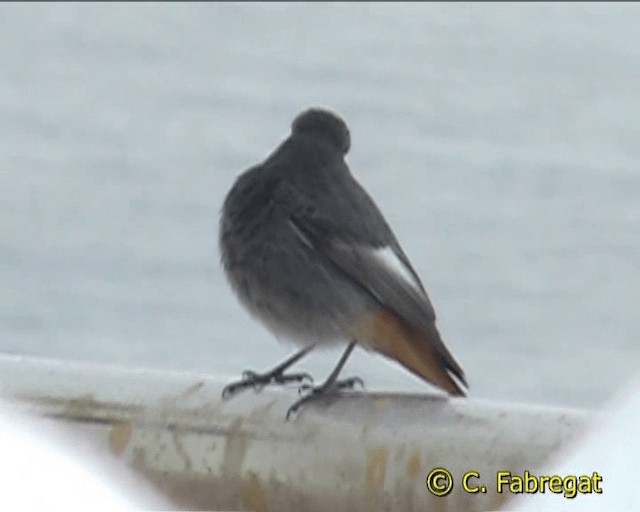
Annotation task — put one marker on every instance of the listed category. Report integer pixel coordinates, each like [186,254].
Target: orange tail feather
[417,351]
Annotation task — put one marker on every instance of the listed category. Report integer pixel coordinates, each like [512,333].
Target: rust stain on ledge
[235,450]
[194,388]
[376,469]
[119,436]
[254,496]
[413,465]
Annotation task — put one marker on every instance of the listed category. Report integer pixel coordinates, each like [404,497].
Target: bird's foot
[257,381]
[330,387]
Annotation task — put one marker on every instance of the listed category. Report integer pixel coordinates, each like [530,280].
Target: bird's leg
[251,379]
[331,385]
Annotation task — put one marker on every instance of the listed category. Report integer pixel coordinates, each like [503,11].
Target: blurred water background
[500,140]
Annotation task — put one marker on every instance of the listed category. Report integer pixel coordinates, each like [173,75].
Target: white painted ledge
[358,452]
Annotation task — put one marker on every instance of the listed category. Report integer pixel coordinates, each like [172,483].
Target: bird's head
[325,125]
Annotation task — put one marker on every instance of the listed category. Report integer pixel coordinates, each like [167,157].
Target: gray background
[501,141]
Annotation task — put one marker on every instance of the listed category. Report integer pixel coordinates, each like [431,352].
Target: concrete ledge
[357,452]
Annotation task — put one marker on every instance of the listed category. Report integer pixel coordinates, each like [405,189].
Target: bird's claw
[313,392]
[258,381]
[350,383]
[305,378]
[249,375]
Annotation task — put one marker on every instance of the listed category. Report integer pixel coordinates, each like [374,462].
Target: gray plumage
[301,244]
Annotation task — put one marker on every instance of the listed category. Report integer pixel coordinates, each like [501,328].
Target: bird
[308,253]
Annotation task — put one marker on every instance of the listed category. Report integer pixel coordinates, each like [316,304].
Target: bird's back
[276,272]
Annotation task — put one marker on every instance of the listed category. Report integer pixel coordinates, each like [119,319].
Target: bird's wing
[355,238]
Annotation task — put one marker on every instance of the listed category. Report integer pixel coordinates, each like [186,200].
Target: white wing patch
[300,234]
[395,264]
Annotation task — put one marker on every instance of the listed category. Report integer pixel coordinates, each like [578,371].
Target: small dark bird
[308,252]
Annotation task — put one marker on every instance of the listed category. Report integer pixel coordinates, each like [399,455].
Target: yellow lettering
[515,486]
[597,480]
[502,480]
[570,484]
[530,479]
[555,484]
[543,481]
[473,489]
[584,484]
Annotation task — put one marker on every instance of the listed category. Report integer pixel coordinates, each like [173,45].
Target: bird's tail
[422,353]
